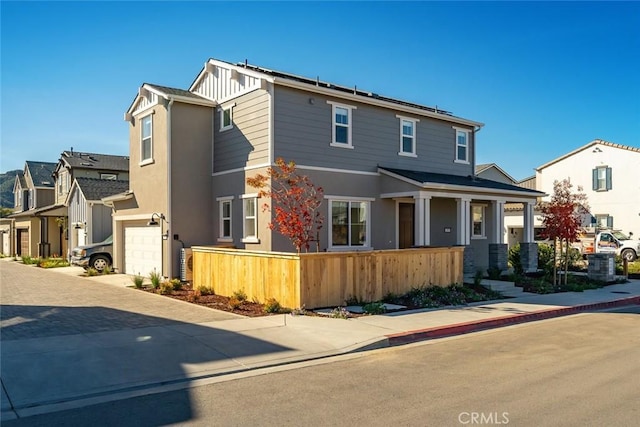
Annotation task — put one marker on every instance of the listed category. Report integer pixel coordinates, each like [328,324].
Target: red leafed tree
[562,220]
[295,202]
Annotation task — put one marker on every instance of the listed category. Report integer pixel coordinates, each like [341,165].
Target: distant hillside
[7,180]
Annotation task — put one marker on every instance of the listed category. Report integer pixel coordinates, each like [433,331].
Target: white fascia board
[179,98]
[228,66]
[118,197]
[372,101]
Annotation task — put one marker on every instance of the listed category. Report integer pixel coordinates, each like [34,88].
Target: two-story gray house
[395,174]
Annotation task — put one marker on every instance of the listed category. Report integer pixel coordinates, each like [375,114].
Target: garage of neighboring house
[142,250]
[23,241]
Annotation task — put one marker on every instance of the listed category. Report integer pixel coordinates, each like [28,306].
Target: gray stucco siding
[303,133]
[247,142]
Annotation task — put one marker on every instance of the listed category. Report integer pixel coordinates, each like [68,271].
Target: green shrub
[240,295]
[494,273]
[53,263]
[271,305]
[92,271]
[155,278]
[514,259]
[194,296]
[166,287]
[374,308]
[339,313]
[107,269]
[299,311]
[177,284]
[234,303]
[26,259]
[137,280]
[204,290]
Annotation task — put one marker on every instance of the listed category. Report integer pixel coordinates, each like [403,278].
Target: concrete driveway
[39,303]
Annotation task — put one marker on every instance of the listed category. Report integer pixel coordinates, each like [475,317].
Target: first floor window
[349,223]
[146,139]
[225,218]
[250,218]
[477,221]
[604,221]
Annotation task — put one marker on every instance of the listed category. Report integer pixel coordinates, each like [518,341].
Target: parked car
[97,255]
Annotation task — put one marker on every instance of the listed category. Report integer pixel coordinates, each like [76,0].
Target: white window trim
[222,109]
[414,147]
[484,221]
[468,133]
[245,238]
[32,198]
[221,225]
[346,248]
[349,109]
[150,159]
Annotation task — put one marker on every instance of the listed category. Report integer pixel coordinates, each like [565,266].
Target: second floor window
[407,137]
[18,199]
[462,146]
[602,179]
[110,176]
[146,139]
[341,133]
[226,117]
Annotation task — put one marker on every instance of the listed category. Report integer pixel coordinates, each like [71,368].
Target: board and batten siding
[247,142]
[303,133]
[223,84]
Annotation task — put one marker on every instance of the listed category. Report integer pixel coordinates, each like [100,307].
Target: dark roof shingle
[41,173]
[96,189]
[105,162]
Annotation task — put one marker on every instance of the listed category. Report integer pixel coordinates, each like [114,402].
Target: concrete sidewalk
[45,374]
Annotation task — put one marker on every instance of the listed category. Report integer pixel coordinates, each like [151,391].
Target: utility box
[602,267]
[186,265]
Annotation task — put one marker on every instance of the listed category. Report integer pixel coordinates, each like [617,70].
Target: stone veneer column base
[498,256]
[468,264]
[529,257]
[602,267]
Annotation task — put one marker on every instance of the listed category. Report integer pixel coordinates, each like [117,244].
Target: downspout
[473,164]
[169,217]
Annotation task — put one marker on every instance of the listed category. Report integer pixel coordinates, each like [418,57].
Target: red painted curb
[473,326]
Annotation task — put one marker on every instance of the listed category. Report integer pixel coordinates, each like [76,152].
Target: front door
[406,232]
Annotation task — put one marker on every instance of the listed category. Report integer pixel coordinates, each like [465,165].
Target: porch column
[498,223]
[423,220]
[463,222]
[527,236]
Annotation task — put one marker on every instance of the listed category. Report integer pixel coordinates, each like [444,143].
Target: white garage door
[142,250]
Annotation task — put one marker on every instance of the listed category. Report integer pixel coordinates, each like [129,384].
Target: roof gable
[41,173]
[487,166]
[150,95]
[94,189]
[587,146]
[220,80]
[94,161]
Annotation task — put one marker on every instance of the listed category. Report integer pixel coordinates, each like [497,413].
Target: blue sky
[545,78]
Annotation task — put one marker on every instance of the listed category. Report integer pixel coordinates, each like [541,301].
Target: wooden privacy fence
[324,279]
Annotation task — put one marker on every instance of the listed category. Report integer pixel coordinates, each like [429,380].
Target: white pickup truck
[607,241]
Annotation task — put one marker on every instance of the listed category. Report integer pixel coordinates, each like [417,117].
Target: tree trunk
[555,260]
[566,262]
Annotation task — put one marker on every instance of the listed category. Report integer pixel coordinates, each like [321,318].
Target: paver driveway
[43,303]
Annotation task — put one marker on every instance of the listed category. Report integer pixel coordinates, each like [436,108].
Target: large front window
[146,139]
[349,223]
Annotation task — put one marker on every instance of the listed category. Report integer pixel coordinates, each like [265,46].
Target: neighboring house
[89,218]
[395,174]
[494,172]
[35,233]
[73,165]
[607,173]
